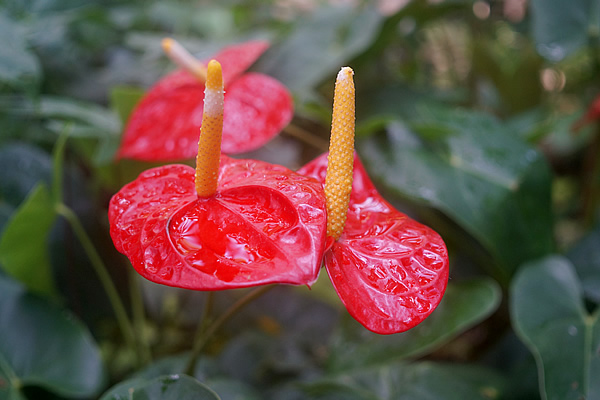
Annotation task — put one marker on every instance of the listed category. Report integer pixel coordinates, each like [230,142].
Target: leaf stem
[57,165]
[205,315]
[139,317]
[307,137]
[202,340]
[123,320]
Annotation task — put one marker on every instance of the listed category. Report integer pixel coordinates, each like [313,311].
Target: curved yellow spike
[209,144]
[340,161]
[184,59]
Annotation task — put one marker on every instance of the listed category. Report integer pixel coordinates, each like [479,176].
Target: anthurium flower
[239,223]
[389,270]
[164,125]
[227,224]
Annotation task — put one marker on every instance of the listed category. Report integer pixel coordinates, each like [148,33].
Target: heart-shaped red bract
[389,270]
[266,224]
[165,125]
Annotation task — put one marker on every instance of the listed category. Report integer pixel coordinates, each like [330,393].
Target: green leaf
[585,256]
[176,364]
[82,113]
[548,314]
[18,65]
[320,45]
[9,389]
[123,100]
[166,387]
[42,345]
[512,69]
[561,27]
[421,381]
[206,371]
[84,120]
[6,211]
[464,305]
[23,248]
[22,167]
[491,183]
[233,389]
[385,104]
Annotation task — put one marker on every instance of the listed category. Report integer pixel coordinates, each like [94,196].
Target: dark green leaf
[385,104]
[22,167]
[6,211]
[42,345]
[23,245]
[9,388]
[561,27]
[463,306]
[320,45]
[513,69]
[123,100]
[212,21]
[585,256]
[17,63]
[422,381]
[205,368]
[166,387]
[548,314]
[206,371]
[229,389]
[491,183]
[84,120]
[79,112]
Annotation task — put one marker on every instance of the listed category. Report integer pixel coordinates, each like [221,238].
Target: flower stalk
[205,335]
[123,320]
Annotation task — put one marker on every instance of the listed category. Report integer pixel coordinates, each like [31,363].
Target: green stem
[57,165]
[139,317]
[307,137]
[205,315]
[100,269]
[201,341]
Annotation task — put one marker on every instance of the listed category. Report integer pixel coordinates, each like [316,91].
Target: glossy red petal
[165,125]
[237,58]
[266,224]
[389,270]
[257,108]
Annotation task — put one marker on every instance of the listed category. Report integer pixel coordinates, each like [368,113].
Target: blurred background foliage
[472,116]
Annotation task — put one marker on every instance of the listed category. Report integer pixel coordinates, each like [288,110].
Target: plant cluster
[477,119]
